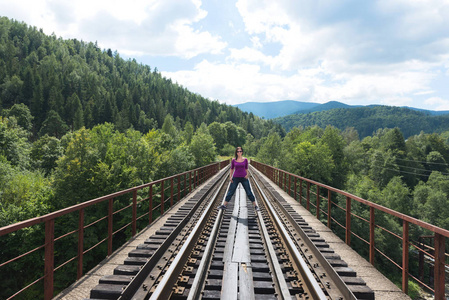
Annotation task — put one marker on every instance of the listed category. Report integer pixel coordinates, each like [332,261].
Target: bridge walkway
[382,287]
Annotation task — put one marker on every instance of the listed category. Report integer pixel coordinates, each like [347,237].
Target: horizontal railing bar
[338,223]
[25,288]
[20,256]
[67,234]
[141,216]
[95,222]
[390,232]
[94,246]
[392,261]
[120,229]
[122,209]
[359,237]
[66,262]
[422,283]
[359,217]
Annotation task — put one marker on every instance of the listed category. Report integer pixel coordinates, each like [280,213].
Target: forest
[78,122]
[367,120]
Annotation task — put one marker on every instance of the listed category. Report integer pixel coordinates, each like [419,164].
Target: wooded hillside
[366,120]
[68,84]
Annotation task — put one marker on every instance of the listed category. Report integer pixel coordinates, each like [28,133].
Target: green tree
[14,145]
[218,133]
[37,102]
[203,147]
[436,162]
[22,114]
[270,151]
[431,201]
[335,142]
[313,161]
[397,196]
[11,91]
[169,126]
[53,125]
[187,133]
[45,152]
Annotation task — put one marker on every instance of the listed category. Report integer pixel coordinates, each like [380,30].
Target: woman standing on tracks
[238,174]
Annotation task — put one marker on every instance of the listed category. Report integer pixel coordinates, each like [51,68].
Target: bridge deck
[383,288]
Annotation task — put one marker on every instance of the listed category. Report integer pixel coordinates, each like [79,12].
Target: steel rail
[198,281]
[272,258]
[341,286]
[136,286]
[307,276]
[165,286]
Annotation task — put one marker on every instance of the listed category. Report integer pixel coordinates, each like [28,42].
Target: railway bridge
[167,240]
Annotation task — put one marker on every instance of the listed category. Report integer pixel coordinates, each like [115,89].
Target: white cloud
[250,55]
[236,83]
[438,103]
[139,27]
[365,52]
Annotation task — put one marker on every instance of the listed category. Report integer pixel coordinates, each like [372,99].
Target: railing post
[284,179]
[80,243]
[150,216]
[329,208]
[162,197]
[405,241]
[318,202]
[295,195]
[439,277]
[185,184]
[421,259]
[372,225]
[49,258]
[171,192]
[289,182]
[308,196]
[110,215]
[190,182]
[179,187]
[300,191]
[134,220]
[348,221]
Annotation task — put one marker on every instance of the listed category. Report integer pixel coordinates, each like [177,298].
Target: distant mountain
[326,106]
[430,112]
[367,120]
[270,110]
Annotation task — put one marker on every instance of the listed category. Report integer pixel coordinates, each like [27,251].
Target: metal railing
[342,217]
[156,196]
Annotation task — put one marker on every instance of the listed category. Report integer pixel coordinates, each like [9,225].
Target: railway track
[237,253]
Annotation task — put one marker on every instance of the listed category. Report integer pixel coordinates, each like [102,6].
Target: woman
[238,174]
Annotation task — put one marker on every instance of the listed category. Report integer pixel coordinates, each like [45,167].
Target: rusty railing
[151,199]
[301,189]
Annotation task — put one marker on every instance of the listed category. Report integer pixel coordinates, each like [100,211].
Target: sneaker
[256,208]
[222,207]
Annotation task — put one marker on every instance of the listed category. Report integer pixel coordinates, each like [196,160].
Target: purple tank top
[240,168]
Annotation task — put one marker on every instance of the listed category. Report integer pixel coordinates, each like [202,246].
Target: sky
[389,52]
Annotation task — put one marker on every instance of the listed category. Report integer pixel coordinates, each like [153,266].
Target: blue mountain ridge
[271,110]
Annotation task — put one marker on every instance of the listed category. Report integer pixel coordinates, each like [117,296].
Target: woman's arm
[231,172]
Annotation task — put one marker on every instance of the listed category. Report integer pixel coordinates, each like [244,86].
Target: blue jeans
[233,186]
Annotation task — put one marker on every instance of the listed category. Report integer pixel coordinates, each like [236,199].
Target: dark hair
[236,156]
